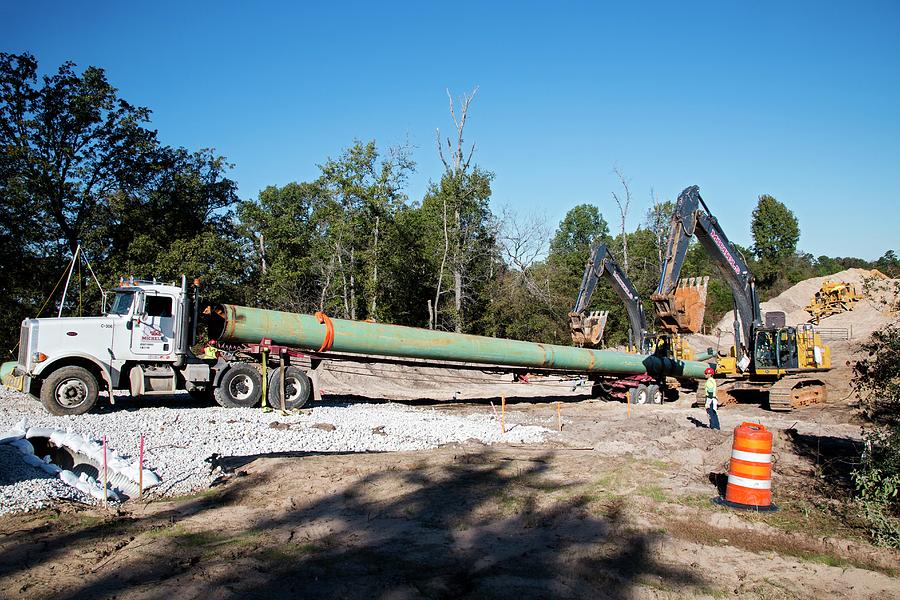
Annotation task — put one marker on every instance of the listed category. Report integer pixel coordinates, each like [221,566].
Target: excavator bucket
[587,330]
[682,311]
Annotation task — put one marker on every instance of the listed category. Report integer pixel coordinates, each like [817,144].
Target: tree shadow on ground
[482,526]
[834,458]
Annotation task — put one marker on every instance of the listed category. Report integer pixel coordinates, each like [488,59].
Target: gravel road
[180,437]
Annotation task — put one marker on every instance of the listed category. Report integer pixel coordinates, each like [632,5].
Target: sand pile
[877,308]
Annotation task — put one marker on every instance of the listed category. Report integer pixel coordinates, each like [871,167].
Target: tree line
[81,166]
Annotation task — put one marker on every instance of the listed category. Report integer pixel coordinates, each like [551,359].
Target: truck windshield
[122,303]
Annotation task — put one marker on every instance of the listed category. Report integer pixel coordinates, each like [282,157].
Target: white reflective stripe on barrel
[750,483]
[756,457]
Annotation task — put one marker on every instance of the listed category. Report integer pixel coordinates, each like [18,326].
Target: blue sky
[798,100]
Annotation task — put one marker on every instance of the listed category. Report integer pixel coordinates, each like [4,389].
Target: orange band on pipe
[329,331]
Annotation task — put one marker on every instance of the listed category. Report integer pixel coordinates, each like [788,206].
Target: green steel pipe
[241,324]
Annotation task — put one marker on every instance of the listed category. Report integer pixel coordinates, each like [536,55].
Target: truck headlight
[38,357]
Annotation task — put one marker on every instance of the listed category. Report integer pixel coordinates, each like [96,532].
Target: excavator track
[796,391]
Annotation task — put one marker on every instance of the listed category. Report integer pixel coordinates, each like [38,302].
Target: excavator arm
[681,303]
[588,329]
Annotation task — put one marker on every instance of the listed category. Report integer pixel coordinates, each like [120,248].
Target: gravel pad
[179,440]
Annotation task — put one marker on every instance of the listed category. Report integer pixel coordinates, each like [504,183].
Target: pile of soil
[878,307]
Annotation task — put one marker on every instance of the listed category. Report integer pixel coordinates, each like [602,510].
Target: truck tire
[69,391]
[297,388]
[240,387]
[654,394]
[639,394]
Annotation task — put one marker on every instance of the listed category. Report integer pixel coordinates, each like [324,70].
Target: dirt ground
[613,506]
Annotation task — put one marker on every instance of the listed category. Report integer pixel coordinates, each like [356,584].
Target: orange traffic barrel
[750,470]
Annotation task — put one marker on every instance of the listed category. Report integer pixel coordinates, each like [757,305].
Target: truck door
[154,330]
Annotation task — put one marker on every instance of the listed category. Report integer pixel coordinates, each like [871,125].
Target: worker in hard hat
[210,352]
[712,403]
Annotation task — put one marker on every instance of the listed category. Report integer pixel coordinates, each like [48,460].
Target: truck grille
[23,345]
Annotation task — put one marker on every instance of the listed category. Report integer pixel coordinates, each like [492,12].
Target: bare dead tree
[455,164]
[262,254]
[623,203]
[523,241]
[456,149]
[327,272]
[657,220]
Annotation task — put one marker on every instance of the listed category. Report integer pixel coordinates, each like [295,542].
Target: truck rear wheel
[297,388]
[69,391]
[639,394]
[240,387]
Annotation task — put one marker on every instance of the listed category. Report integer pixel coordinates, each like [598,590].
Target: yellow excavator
[769,357]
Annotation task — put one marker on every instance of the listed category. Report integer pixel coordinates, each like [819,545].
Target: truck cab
[141,342]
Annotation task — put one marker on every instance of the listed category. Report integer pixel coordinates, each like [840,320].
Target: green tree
[325,244]
[80,166]
[279,227]
[365,192]
[889,264]
[579,229]
[461,248]
[69,144]
[775,235]
[876,380]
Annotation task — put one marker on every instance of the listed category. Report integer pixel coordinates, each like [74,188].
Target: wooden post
[141,468]
[264,352]
[559,416]
[282,384]
[503,414]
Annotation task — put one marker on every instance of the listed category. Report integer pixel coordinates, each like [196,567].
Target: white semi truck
[142,343]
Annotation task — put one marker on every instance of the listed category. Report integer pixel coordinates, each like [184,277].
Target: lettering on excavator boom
[624,285]
[728,257]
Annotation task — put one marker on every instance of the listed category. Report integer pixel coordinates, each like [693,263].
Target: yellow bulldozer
[833,297]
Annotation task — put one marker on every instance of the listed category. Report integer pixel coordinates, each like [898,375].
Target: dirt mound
[877,308]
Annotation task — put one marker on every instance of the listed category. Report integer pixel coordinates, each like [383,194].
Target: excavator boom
[587,329]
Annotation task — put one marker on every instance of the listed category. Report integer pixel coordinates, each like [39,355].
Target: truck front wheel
[240,387]
[69,391]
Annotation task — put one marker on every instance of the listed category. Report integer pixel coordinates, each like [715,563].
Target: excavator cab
[683,310]
[587,329]
[775,349]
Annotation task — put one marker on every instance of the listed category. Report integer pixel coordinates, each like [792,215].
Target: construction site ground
[615,505]
[612,506]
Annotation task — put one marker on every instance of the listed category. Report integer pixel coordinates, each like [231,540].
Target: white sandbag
[69,478]
[17,432]
[44,432]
